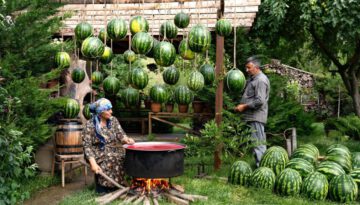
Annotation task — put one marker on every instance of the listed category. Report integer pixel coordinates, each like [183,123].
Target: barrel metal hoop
[69,129]
[68,146]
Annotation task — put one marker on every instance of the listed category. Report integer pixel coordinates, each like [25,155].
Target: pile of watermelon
[336,177]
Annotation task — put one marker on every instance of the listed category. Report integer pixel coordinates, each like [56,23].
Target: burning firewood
[146,201]
[175,199]
[111,196]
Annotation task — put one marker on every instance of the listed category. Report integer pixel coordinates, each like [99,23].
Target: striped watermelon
[103,34]
[129,56]
[86,112]
[185,52]
[168,29]
[330,169]
[171,75]
[107,56]
[182,20]
[307,152]
[355,160]
[139,78]
[302,166]
[195,81]
[97,77]
[83,30]
[355,174]
[78,75]
[264,178]
[130,97]
[116,29]
[340,155]
[150,54]
[208,71]
[338,146]
[71,108]
[223,27]
[288,183]
[111,85]
[343,189]
[199,38]
[164,54]
[142,43]
[240,173]
[275,158]
[315,186]
[183,95]
[235,80]
[138,24]
[158,94]
[62,60]
[92,47]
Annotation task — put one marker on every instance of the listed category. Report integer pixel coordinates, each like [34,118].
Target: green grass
[38,183]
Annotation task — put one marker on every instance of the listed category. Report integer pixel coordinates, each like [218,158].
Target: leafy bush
[348,125]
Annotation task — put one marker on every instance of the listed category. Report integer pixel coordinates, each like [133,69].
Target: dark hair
[254,60]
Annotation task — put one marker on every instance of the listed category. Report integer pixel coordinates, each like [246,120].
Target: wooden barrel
[68,140]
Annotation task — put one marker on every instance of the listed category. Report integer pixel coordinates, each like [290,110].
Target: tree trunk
[351,82]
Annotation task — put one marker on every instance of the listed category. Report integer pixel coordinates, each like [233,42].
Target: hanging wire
[111,64]
[235,38]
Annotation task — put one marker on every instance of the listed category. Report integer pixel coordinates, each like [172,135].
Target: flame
[149,185]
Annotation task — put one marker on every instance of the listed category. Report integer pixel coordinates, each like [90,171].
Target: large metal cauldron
[154,159]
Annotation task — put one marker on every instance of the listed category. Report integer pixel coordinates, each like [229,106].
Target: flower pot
[155,107]
[147,104]
[169,107]
[197,106]
[183,108]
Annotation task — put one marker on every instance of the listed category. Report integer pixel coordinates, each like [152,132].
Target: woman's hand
[129,140]
[94,166]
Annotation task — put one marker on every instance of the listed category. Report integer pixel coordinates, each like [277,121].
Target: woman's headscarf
[97,108]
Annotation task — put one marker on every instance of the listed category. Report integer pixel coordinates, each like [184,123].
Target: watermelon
[130,97]
[307,152]
[107,56]
[158,94]
[195,81]
[199,38]
[235,80]
[171,75]
[275,158]
[86,111]
[164,54]
[92,47]
[103,35]
[142,43]
[139,78]
[340,155]
[183,95]
[330,169]
[182,20]
[62,60]
[315,186]
[168,30]
[355,160]
[111,85]
[223,27]
[129,56]
[263,177]
[240,173]
[338,146]
[71,108]
[138,24]
[150,54]
[288,183]
[116,29]
[355,174]
[185,52]
[208,71]
[343,189]
[78,75]
[302,166]
[83,30]
[97,77]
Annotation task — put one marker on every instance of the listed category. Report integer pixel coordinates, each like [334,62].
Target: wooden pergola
[241,13]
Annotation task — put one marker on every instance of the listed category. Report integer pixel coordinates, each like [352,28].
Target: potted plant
[169,105]
[197,105]
[183,96]
[158,95]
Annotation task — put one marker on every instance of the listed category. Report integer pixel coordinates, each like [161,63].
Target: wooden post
[220,85]
[293,139]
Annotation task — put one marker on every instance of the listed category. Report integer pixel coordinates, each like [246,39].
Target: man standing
[254,104]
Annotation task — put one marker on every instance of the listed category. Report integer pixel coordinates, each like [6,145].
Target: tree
[332,26]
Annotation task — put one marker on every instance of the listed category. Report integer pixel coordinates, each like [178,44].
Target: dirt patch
[55,194]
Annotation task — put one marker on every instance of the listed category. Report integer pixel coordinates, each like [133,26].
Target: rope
[111,64]
[91,93]
[235,38]
[198,11]
[105,26]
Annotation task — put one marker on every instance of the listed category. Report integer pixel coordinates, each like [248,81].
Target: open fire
[151,187]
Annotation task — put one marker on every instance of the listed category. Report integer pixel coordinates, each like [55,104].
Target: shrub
[348,125]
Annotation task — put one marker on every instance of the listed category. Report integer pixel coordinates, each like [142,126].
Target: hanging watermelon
[164,54]
[150,54]
[158,94]
[195,81]
[235,80]
[103,34]
[92,47]
[223,27]
[62,60]
[83,30]
[139,78]
[182,20]
[171,75]
[78,75]
[169,29]
[86,111]
[71,108]
[116,29]
[184,50]
[107,56]
[130,97]
[199,38]
[208,71]
[138,24]
[111,85]
[97,77]
[129,56]
[142,43]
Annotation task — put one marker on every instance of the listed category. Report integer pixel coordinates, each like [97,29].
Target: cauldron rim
[126,146]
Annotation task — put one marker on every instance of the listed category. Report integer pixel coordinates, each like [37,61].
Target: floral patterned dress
[111,158]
